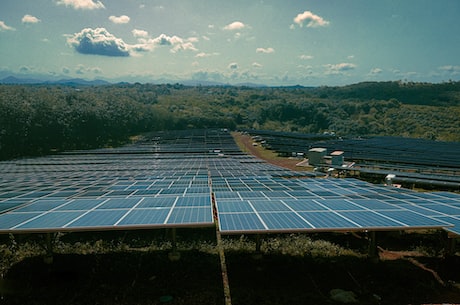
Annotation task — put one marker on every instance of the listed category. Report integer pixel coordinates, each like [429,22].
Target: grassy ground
[134,268]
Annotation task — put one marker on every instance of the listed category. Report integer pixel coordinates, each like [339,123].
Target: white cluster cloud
[140,33]
[4,27]
[81,4]
[339,68]
[147,44]
[98,41]
[265,50]
[237,25]
[30,19]
[208,76]
[165,40]
[310,19]
[119,19]
[82,69]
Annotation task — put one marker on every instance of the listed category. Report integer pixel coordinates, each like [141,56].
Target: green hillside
[37,119]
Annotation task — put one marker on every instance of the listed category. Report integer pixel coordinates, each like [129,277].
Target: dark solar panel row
[419,152]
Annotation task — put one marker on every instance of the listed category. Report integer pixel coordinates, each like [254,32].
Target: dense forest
[38,119]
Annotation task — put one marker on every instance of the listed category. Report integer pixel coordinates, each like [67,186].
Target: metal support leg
[373,252]
[48,258]
[258,243]
[258,254]
[174,255]
[450,246]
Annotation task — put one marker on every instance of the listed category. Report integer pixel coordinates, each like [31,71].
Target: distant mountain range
[69,82]
[97,82]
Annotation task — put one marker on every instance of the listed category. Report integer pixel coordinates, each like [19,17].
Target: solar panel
[157,202]
[145,217]
[454,220]
[97,218]
[166,184]
[240,223]
[269,206]
[283,221]
[327,220]
[412,219]
[337,211]
[190,215]
[49,220]
[370,219]
[304,205]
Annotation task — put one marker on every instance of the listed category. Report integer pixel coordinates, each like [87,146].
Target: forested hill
[37,119]
[443,94]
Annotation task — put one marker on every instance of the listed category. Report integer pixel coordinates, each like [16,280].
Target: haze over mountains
[18,80]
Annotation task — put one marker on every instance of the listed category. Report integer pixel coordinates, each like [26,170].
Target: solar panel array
[413,161]
[287,205]
[396,150]
[169,179]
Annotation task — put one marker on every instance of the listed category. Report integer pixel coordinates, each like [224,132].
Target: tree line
[39,119]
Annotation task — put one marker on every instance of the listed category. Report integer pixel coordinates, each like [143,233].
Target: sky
[270,42]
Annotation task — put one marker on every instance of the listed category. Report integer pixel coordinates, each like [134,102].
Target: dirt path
[245,143]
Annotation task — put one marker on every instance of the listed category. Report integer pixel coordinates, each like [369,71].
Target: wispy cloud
[450,69]
[237,25]
[306,57]
[98,42]
[30,19]
[375,71]
[265,50]
[4,27]
[203,54]
[311,20]
[119,19]
[82,4]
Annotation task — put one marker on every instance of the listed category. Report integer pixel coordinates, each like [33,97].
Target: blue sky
[273,42]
